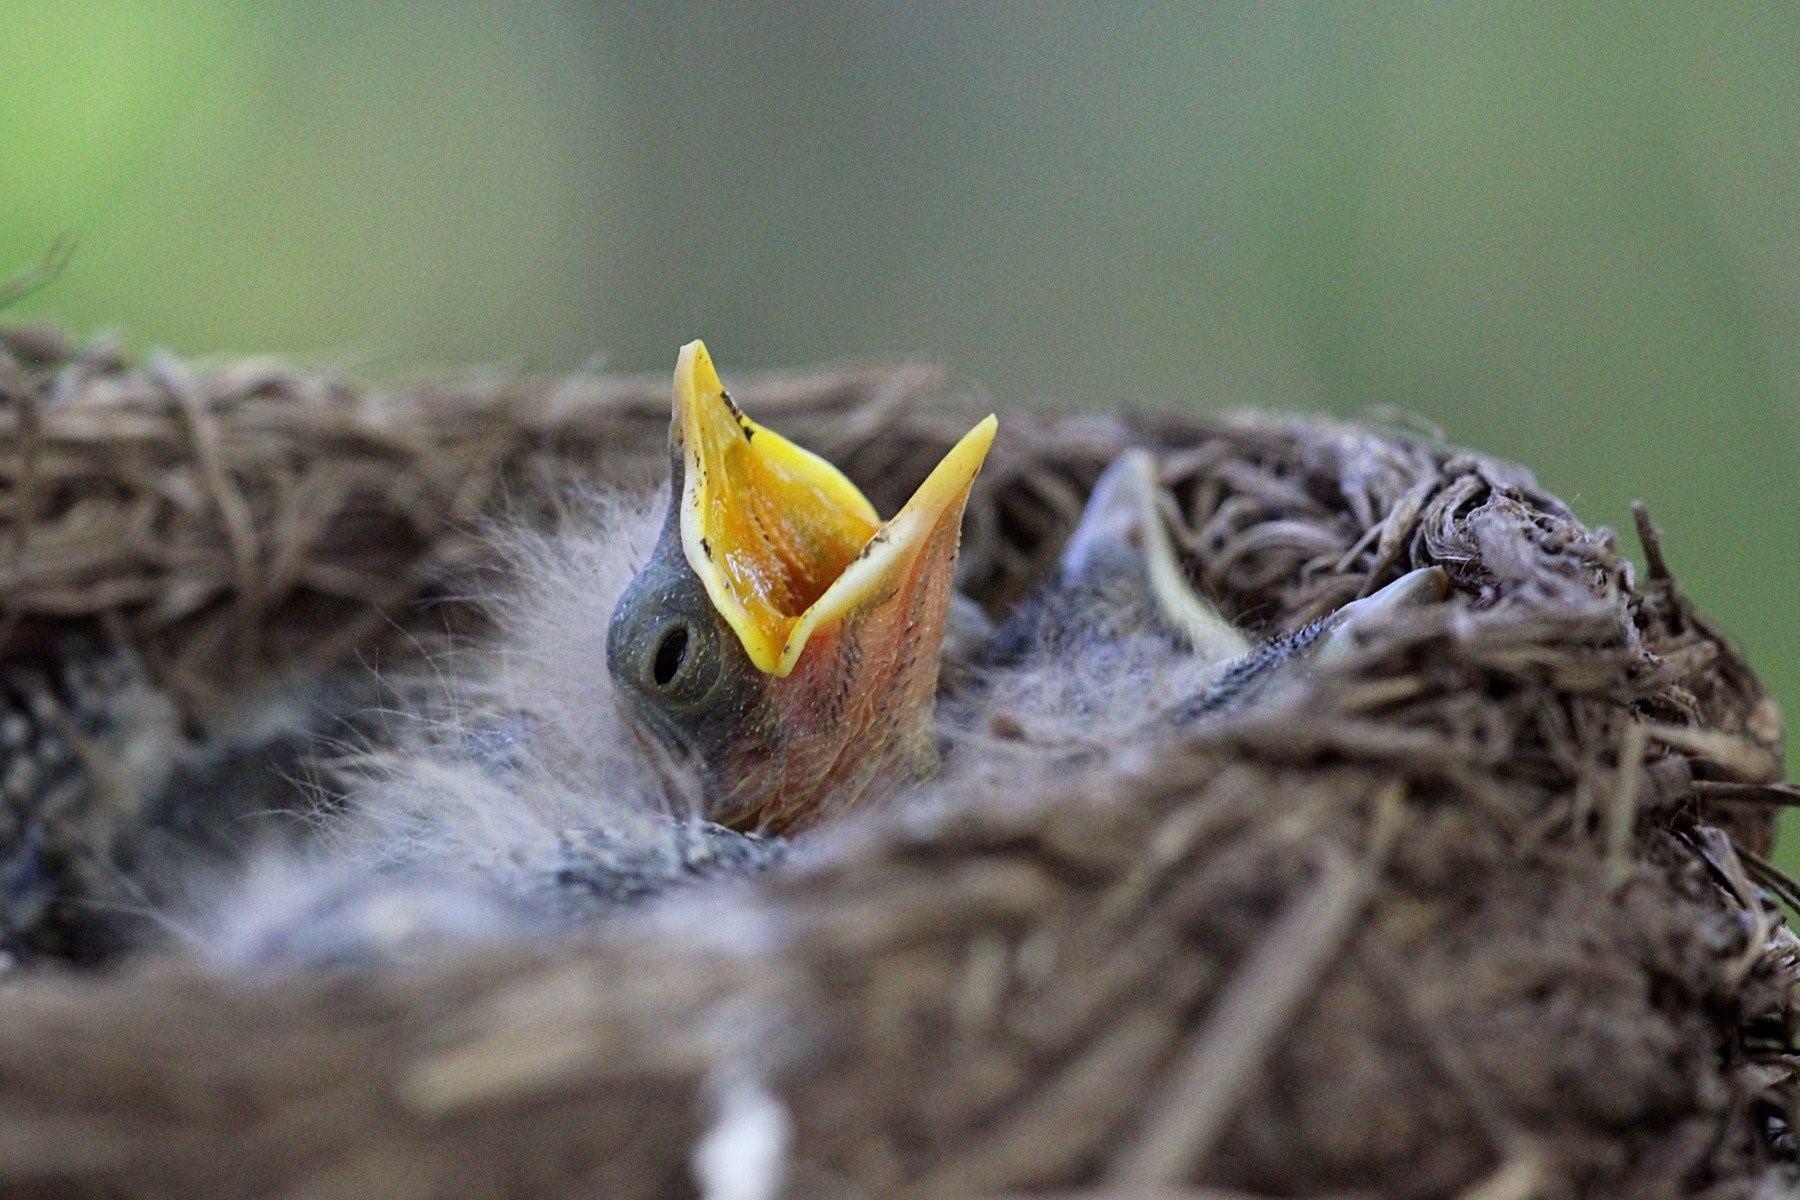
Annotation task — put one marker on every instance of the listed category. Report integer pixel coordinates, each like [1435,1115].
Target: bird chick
[1119,644]
[1118,578]
[1113,637]
[771,659]
[782,638]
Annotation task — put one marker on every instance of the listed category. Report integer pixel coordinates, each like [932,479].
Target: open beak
[842,612]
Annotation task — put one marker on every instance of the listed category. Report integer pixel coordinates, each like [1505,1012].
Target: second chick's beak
[782,638]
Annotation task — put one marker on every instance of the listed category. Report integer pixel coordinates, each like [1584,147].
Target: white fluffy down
[540,698]
[407,860]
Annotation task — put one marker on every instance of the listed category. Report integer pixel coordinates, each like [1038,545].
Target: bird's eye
[671,654]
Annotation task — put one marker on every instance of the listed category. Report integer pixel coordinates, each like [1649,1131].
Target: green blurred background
[1568,236]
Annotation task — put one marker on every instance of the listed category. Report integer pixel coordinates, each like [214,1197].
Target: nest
[1483,911]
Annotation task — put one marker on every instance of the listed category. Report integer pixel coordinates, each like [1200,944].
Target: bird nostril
[671,652]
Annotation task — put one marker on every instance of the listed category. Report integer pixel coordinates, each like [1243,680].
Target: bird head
[782,637]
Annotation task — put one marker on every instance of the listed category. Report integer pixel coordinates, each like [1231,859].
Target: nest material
[1456,919]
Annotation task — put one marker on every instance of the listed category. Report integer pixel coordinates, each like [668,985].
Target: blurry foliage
[1566,235]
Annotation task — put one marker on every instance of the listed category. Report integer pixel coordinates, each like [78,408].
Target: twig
[1745,759]
[1771,877]
[1651,541]
[1720,854]
[1521,1176]
[1622,806]
[234,512]
[1779,795]
[55,259]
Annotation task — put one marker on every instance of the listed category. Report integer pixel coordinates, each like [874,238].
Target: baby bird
[1118,643]
[781,638]
[1118,578]
[771,662]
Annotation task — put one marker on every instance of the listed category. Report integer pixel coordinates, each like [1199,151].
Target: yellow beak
[788,547]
